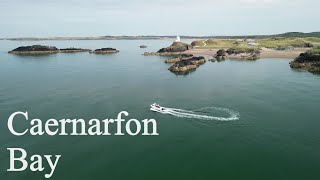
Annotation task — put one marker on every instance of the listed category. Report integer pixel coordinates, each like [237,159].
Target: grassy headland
[280,43]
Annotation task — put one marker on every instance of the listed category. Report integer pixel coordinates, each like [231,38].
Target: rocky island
[174,49]
[187,64]
[35,49]
[105,51]
[178,58]
[221,55]
[309,61]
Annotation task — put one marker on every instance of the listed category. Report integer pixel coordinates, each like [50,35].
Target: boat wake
[204,113]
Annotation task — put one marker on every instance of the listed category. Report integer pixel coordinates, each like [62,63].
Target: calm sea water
[276,137]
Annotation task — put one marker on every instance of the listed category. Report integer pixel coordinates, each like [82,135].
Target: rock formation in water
[72,50]
[143,46]
[221,55]
[104,51]
[35,49]
[310,61]
[162,54]
[178,58]
[187,64]
[176,47]
[250,54]
[197,60]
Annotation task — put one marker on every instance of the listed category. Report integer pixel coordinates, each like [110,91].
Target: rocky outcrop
[309,61]
[162,54]
[181,66]
[212,60]
[176,47]
[104,51]
[197,60]
[35,49]
[221,55]
[187,64]
[197,43]
[178,58]
[73,50]
[250,57]
[143,46]
[243,51]
[250,54]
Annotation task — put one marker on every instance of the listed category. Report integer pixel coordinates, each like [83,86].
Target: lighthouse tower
[178,39]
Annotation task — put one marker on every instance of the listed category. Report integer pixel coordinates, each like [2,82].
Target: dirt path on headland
[204,43]
[265,53]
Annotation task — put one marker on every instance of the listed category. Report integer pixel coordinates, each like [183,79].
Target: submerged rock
[35,49]
[104,51]
[176,47]
[72,50]
[310,61]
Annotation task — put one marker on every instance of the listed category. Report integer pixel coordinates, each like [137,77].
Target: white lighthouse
[178,39]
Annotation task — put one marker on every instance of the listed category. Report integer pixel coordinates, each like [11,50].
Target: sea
[230,120]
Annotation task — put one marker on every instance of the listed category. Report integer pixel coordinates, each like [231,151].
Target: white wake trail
[196,115]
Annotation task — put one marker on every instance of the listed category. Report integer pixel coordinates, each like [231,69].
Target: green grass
[282,42]
[274,43]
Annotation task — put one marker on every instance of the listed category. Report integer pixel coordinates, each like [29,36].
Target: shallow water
[276,136]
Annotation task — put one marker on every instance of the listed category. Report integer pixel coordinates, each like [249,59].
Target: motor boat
[157,108]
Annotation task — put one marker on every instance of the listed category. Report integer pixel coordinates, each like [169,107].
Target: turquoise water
[276,137]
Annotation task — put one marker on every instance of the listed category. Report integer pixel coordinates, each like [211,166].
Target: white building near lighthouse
[178,39]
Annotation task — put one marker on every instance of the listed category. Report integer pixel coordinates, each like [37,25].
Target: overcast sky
[52,18]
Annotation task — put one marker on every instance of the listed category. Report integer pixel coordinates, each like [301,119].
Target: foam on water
[197,114]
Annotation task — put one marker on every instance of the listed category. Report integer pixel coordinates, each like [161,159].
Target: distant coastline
[152,37]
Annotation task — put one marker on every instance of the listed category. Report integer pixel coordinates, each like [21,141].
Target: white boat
[157,108]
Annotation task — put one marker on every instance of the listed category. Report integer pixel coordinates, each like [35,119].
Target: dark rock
[197,60]
[176,47]
[221,55]
[221,52]
[197,43]
[72,50]
[178,58]
[34,49]
[310,61]
[186,65]
[243,50]
[104,51]
[143,46]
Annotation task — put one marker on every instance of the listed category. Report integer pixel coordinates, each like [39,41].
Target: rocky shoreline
[309,61]
[184,59]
